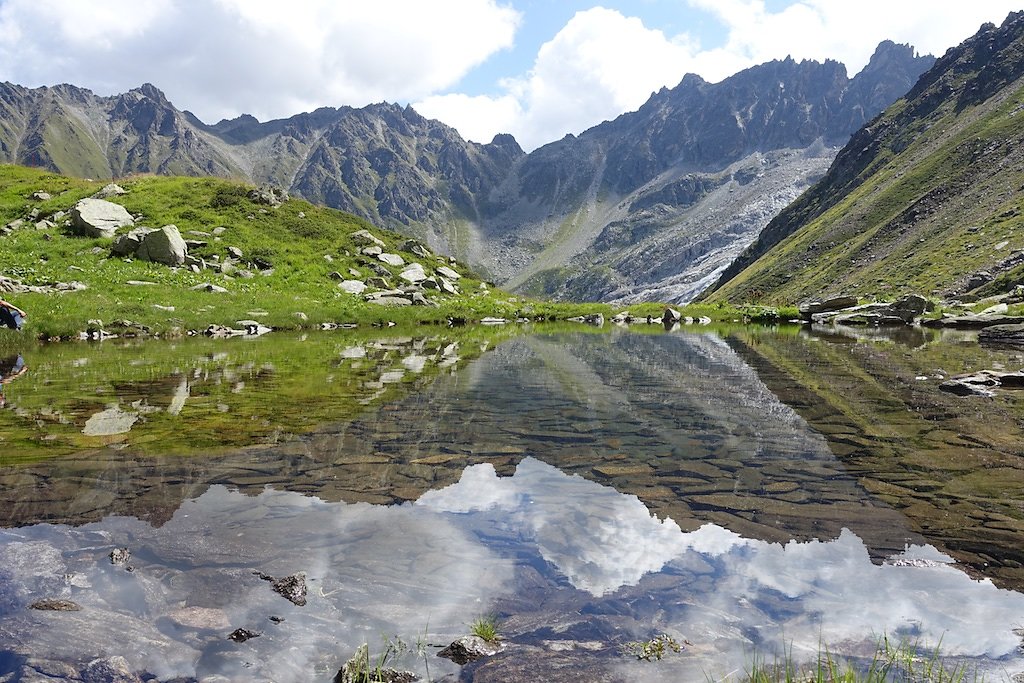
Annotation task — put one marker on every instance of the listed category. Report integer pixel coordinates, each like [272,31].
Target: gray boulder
[99,218]
[366,237]
[352,286]
[671,316]
[128,243]
[393,260]
[470,648]
[163,246]
[908,307]
[447,272]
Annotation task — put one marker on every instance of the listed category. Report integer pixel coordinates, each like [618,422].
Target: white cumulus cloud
[599,65]
[221,58]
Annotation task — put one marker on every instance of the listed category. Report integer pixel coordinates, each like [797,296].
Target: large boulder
[165,245]
[98,217]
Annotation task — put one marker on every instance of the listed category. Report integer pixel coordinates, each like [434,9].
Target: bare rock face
[165,245]
[99,218]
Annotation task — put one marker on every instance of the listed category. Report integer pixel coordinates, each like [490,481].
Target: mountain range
[652,205]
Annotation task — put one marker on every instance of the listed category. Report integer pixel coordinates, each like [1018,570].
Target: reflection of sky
[603,541]
[370,570]
[445,559]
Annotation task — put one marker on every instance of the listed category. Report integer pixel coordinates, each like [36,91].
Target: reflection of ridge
[677,420]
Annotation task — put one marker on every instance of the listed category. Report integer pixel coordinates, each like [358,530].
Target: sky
[537,69]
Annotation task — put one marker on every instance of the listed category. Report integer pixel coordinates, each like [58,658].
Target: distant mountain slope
[651,205]
[926,198]
[656,202]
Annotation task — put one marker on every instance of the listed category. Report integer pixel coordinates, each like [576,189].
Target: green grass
[902,662]
[486,627]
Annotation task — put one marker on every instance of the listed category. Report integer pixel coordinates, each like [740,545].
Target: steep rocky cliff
[924,198]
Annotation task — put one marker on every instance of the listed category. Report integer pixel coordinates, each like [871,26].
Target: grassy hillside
[303,243]
[924,197]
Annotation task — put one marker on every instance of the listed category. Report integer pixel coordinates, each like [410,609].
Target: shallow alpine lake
[750,492]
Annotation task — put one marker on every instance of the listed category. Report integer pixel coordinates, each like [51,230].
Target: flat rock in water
[1011,335]
[974,322]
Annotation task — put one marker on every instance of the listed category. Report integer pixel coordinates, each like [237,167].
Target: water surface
[741,491]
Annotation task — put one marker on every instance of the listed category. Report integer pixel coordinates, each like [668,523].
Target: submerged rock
[55,605]
[470,648]
[240,635]
[292,588]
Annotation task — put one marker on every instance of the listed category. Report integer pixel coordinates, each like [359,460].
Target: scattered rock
[352,286]
[470,648]
[235,252]
[293,587]
[208,287]
[128,243]
[41,196]
[365,237]
[978,279]
[110,190]
[99,218]
[416,248]
[119,557]
[271,196]
[447,272]
[670,317]
[55,605]
[394,260]
[414,273]
[836,303]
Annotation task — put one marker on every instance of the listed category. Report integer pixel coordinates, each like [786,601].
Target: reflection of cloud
[602,541]
[598,538]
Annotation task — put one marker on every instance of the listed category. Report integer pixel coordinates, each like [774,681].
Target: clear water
[588,489]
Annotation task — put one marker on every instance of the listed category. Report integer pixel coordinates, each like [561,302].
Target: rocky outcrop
[99,218]
[1003,335]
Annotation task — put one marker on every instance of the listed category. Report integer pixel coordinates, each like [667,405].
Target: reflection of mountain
[951,467]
